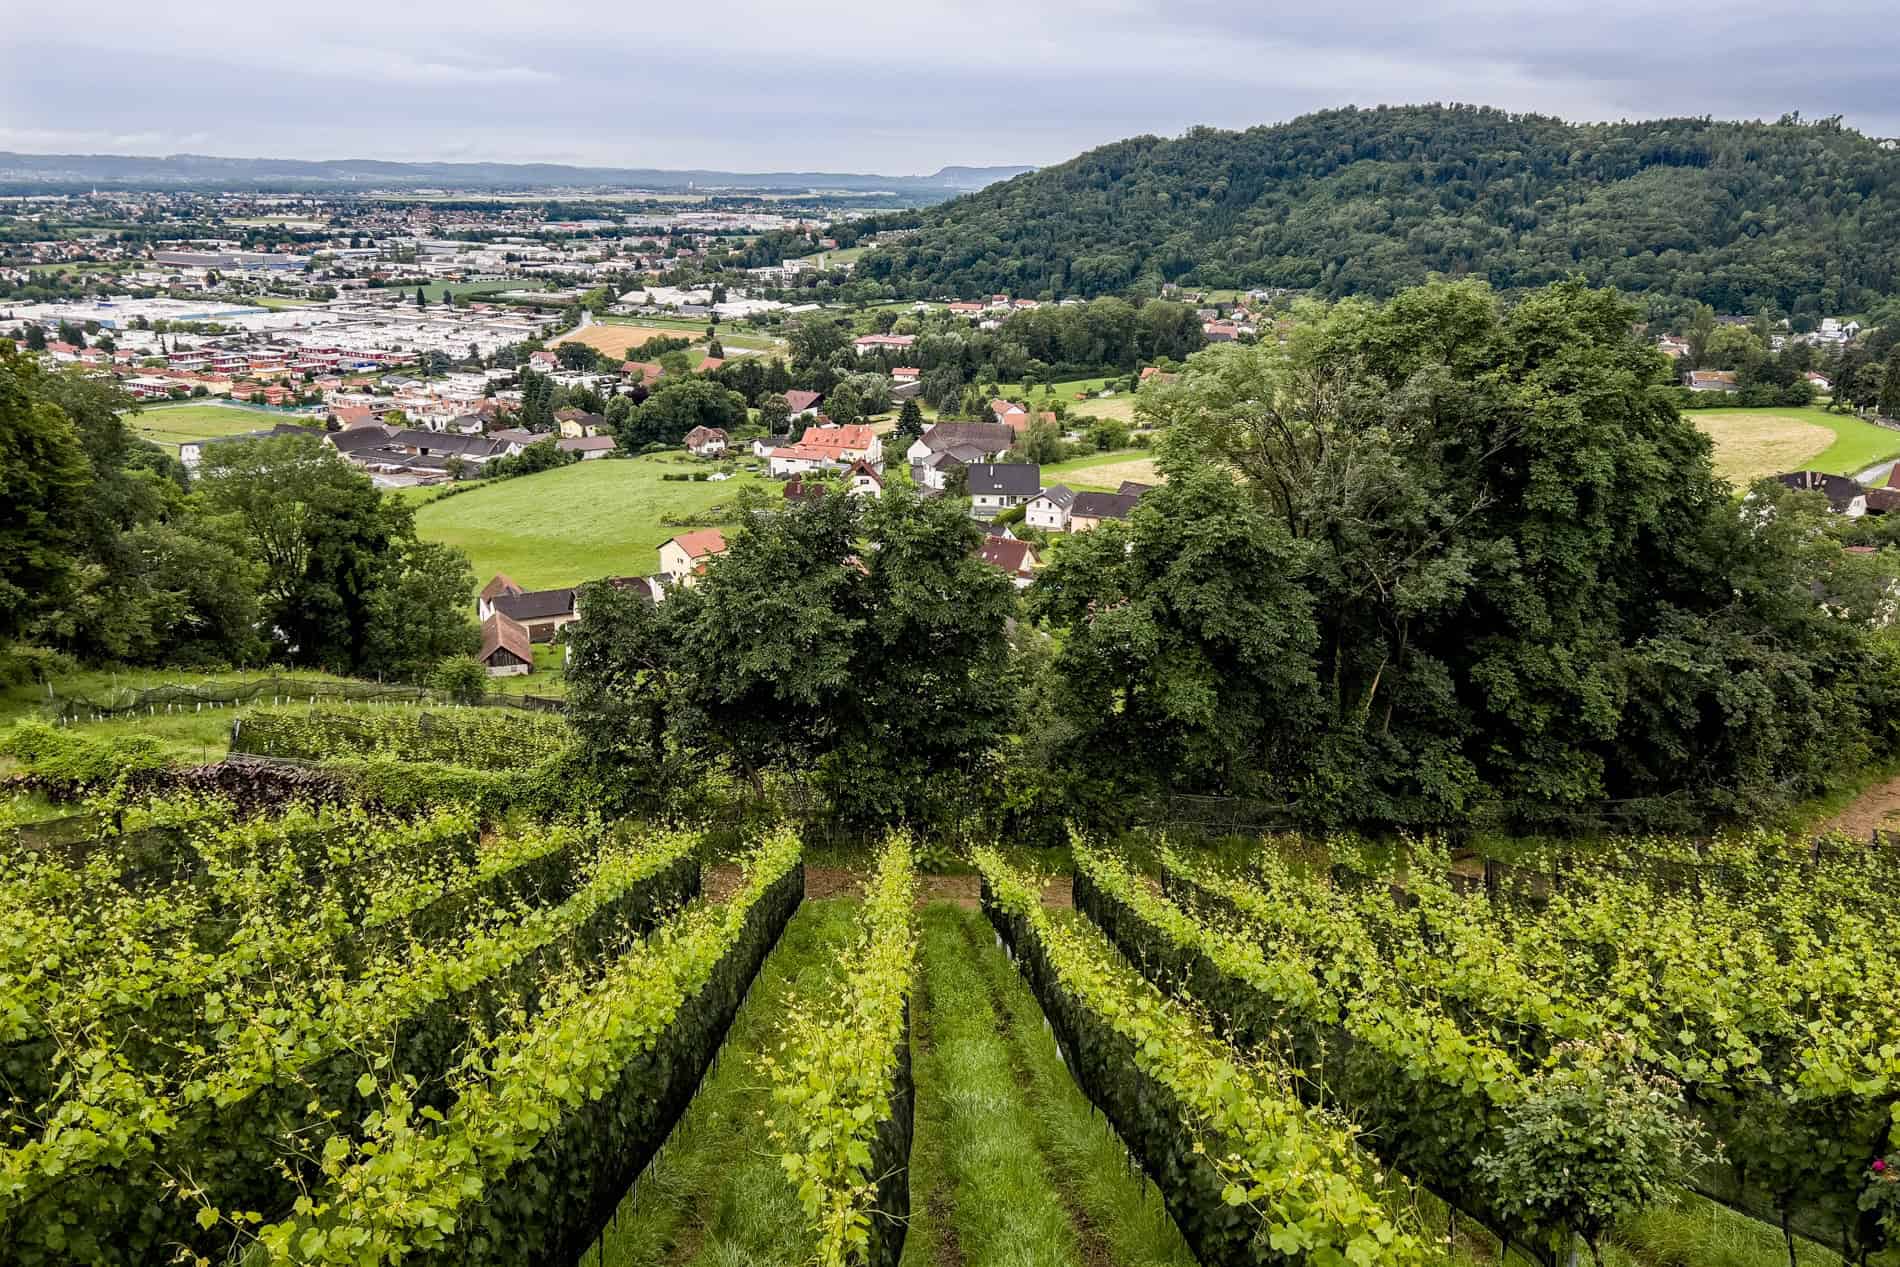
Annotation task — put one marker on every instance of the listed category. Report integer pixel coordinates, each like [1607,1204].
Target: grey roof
[990,437]
[1059,495]
[536,604]
[1840,490]
[371,435]
[1103,505]
[1006,479]
[586,444]
[447,443]
[518,435]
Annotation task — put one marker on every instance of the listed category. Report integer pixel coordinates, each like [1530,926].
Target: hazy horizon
[900,92]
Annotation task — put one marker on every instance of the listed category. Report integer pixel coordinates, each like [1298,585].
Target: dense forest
[1801,218]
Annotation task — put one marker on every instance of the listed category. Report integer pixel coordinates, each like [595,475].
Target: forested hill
[1801,217]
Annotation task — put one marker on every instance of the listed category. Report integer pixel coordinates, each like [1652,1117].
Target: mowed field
[173,425]
[578,523]
[1119,407]
[1752,443]
[1103,471]
[619,340]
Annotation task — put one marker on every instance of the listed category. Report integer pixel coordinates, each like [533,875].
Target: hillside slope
[1801,217]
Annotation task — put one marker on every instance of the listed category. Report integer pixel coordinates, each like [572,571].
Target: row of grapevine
[565,1110]
[483,739]
[841,1082]
[1250,1173]
[193,1078]
[1444,1103]
[1781,1037]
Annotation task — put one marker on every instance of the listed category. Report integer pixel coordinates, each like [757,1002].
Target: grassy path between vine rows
[1010,1166]
[716,1193]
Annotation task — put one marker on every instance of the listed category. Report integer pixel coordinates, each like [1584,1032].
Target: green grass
[172,425]
[578,523]
[436,292]
[1098,472]
[1120,406]
[1857,445]
[1009,1164]
[716,1193]
[187,736]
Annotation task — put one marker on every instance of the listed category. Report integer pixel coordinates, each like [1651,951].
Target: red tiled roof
[701,542]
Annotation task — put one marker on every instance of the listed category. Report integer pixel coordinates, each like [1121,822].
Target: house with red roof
[884,343]
[683,559]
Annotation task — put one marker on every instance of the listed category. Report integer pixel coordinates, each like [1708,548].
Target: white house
[998,486]
[1050,508]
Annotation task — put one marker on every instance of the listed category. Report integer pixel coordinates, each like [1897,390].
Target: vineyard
[331,1034]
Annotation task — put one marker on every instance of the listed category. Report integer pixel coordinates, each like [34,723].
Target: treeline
[1795,217]
[278,551]
[1436,564]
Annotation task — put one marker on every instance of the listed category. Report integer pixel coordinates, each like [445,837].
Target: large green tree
[1515,549]
[45,495]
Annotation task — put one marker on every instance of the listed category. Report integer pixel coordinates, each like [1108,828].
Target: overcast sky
[898,88]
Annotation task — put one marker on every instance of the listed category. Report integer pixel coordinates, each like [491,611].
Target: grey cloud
[903,89]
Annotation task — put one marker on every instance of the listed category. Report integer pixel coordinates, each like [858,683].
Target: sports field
[1751,443]
[173,425]
[577,523]
[618,340]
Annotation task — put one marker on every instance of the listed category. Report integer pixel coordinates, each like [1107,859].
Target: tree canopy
[1798,217]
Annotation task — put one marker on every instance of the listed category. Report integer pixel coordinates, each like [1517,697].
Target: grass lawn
[1751,443]
[172,425]
[578,523]
[717,1193]
[1103,472]
[1120,407]
[436,292]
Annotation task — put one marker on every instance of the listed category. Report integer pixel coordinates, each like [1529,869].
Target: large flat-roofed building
[234,260]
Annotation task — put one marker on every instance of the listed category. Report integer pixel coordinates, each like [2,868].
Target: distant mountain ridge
[1803,217]
[182,170]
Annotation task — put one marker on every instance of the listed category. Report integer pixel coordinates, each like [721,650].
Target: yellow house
[683,558]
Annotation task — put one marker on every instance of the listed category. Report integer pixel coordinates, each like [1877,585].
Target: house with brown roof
[1016,559]
[589,447]
[1090,509]
[646,371]
[992,440]
[803,402]
[506,651]
[1712,381]
[863,480]
[706,441]
[683,559]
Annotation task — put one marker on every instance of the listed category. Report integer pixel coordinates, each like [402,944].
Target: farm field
[1752,443]
[1103,472]
[620,340]
[173,425]
[577,523]
[477,1036]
